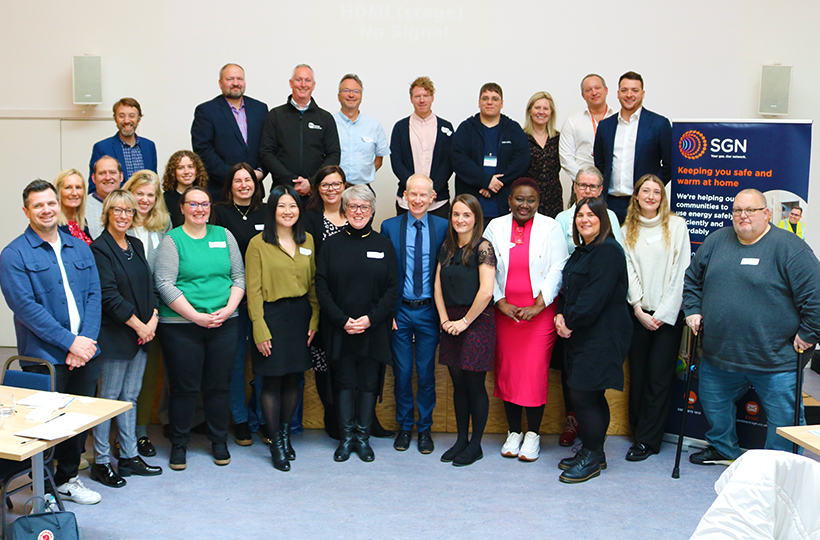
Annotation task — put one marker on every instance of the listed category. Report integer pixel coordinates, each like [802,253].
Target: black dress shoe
[468,457]
[136,466]
[376,430]
[106,475]
[145,448]
[450,455]
[639,452]
[402,441]
[426,445]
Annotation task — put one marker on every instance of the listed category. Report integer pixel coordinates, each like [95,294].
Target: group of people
[496,278]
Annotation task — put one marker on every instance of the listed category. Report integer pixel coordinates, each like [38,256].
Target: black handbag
[48,525]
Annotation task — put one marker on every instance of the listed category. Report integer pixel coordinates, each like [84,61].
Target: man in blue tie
[417,237]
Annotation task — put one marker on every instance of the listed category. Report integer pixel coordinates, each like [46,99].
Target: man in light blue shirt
[361,137]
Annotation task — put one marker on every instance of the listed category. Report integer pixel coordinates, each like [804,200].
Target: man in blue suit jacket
[134,153]
[631,144]
[417,237]
[417,127]
[227,129]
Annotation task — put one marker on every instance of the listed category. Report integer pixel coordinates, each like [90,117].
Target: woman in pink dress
[531,252]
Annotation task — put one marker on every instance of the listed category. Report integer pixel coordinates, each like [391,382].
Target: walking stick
[798,394]
[691,369]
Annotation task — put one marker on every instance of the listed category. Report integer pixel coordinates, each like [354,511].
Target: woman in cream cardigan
[531,253]
[656,245]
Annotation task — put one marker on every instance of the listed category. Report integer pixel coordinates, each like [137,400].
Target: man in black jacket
[299,138]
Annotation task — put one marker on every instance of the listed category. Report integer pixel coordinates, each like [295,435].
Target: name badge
[259,226]
[749,261]
[506,142]
[447,131]
[375,254]
[491,161]
[366,139]
[311,125]
[155,240]
[221,244]
[305,251]
[653,239]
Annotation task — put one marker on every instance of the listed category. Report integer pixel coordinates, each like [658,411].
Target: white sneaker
[51,503]
[531,447]
[75,491]
[512,445]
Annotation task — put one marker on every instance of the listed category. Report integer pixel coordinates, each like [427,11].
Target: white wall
[699,59]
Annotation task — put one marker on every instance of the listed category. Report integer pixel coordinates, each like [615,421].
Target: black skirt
[288,320]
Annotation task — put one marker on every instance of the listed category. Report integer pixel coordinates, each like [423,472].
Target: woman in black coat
[129,321]
[357,286]
[593,316]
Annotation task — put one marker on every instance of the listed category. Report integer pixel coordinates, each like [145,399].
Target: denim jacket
[33,287]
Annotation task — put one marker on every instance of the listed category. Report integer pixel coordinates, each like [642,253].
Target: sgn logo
[692,144]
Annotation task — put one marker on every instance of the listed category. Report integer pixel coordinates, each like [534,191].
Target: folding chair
[9,470]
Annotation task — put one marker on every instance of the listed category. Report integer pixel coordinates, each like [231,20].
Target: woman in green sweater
[201,280]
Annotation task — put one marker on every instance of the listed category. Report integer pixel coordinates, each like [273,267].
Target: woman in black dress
[464,294]
[184,169]
[539,125]
[594,318]
[357,286]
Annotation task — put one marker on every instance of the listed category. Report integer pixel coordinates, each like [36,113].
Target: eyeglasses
[353,91]
[737,212]
[332,186]
[364,208]
[194,205]
[587,187]
[128,211]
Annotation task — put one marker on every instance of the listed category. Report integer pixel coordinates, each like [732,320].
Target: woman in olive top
[242,212]
[201,280]
[184,170]
[284,311]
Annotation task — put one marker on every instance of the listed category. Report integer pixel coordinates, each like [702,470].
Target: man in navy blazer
[410,155]
[631,144]
[417,237]
[133,152]
[227,129]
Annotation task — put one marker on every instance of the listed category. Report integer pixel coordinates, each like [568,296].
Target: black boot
[365,413]
[289,451]
[567,463]
[277,451]
[587,465]
[345,408]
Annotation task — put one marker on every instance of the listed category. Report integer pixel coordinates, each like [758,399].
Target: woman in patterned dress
[539,126]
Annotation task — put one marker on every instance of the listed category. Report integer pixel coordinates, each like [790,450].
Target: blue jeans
[239,411]
[720,389]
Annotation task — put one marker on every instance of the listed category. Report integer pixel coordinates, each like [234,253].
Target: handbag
[48,525]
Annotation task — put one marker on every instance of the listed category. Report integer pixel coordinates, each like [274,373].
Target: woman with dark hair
[539,125]
[201,281]
[531,253]
[357,286]
[242,212]
[464,291]
[280,269]
[594,318]
[184,169]
[656,244]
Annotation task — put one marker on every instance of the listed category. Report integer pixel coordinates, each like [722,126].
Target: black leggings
[469,400]
[592,411]
[278,400]
[534,416]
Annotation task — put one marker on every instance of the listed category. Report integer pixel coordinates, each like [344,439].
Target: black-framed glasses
[331,186]
[194,205]
[587,187]
[128,211]
[364,208]
[737,212]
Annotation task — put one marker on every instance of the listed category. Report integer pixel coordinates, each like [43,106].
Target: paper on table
[814,431]
[51,400]
[45,432]
[71,421]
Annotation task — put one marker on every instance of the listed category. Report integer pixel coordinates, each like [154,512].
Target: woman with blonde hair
[656,245]
[73,193]
[539,125]
[151,223]
[184,169]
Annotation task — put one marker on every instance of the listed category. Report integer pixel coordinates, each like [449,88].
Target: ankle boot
[365,413]
[277,451]
[289,451]
[587,465]
[345,407]
[567,463]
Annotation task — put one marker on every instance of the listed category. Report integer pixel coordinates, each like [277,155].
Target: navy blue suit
[653,147]
[216,139]
[420,322]
[401,156]
[112,146]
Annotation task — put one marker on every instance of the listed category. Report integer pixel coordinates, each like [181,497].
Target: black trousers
[199,359]
[353,372]
[652,359]
[80,382]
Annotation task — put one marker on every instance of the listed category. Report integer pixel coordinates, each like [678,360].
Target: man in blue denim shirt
[51,283]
